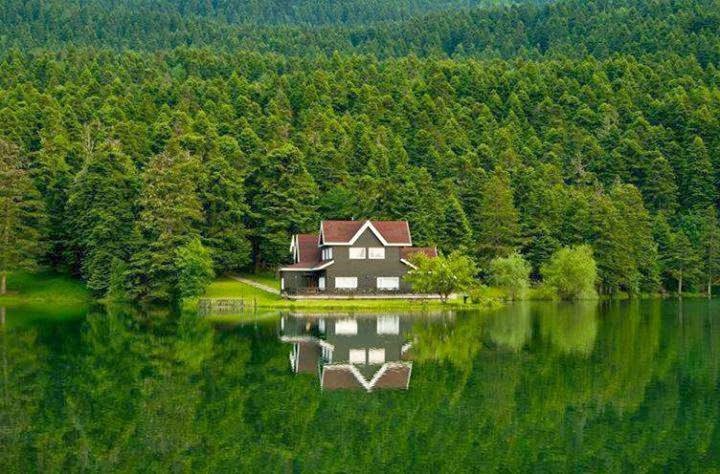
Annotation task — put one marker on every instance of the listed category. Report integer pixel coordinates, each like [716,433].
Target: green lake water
[611,387]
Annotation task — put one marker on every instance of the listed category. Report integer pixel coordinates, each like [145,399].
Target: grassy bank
[43,288]
[256,298]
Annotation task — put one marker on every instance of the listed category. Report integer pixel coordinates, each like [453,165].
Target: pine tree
[709,247]
[682,261]
[226,214]
[102,211]
[698,186]
[22,216]
[456,231]
[284,203]
[497,220]
[170,217]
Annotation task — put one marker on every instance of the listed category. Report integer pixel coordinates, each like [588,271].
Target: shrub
[512,274]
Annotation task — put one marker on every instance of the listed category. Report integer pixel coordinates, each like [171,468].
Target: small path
[257,285]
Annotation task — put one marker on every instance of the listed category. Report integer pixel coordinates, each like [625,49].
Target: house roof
[392,375]
[345,232]
[306,266]
[308,248]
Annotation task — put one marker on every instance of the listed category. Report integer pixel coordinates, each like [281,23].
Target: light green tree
[572,272]
[195,268]
[512,274]
[441,275]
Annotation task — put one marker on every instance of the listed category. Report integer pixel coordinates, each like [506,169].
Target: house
[354,352]
[351,257]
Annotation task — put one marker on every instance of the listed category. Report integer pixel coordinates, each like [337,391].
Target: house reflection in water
[358,352]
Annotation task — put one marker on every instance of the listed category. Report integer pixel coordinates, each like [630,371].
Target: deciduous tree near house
[22,216]
[441,275]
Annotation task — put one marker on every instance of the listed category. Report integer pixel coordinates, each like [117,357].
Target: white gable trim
[367,225]
[368,384]
[414,267]
[308,269]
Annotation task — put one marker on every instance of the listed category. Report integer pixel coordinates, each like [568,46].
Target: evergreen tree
[456,231]
[497,220]
[226,214]
[170,217]
[284,203]
[682,261]
[699,181]
[101,208]
[709,247]
[22,216]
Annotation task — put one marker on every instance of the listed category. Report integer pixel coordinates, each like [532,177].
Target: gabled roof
[392,375]
[308,250]
[394,233]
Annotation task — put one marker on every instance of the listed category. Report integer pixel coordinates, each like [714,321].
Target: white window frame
[346,283]
[382,283]
[376,253]
[388,325]
[357,253]
[376,355]
[321,283]
[346,327]
[282,284]
[357,356]
[327,253]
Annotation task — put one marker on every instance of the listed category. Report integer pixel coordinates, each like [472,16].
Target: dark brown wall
[366,270]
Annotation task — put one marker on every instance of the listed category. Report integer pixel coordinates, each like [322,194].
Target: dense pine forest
[138,137]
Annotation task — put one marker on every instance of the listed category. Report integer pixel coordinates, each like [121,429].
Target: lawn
[266,278]
[229,288]
[43,287]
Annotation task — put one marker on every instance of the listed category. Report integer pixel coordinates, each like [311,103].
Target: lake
[542,387]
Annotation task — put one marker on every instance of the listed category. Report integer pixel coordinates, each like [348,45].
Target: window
[321,283]
[346,327]
[357,356]
[388,283]
[376,253]
[282,284]
[346,283]
[327,253]
[388,325]
[376,356]
[357,253]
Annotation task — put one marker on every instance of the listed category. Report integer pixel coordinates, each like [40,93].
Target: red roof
[394,232]
[408,252]
[308,248]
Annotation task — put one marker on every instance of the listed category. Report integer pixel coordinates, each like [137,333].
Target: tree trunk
[2,315]
[3,283]
[680,286]
[709,288]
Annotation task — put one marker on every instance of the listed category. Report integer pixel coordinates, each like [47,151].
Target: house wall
[366,270]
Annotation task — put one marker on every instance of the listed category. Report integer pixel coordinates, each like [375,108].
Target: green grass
[266,278]
[229,288]
[26,287]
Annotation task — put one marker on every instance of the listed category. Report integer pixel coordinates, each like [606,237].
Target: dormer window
[376,253]
[327,253]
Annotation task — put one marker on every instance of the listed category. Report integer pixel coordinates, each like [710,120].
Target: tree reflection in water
[551,387]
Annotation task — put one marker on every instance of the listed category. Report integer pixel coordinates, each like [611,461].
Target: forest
[137,138]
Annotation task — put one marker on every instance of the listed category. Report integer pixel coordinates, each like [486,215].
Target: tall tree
[22,216]
[497,219]
[682,261]
[170,217]
[102,211]
[284,202]
[709,247]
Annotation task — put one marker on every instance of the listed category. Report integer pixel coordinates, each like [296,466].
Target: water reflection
[350,352]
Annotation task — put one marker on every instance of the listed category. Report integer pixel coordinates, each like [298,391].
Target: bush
[441,275]
[572,272]
[486,295]
[195,269]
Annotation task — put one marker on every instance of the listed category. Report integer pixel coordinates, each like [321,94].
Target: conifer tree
[456,231]
[682,261]
[699,186]
[497,219]
[709,247]
[102,210]
[22,216]
[170,216]
[284,203]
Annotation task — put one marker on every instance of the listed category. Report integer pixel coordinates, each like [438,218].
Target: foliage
[22,216]
[194,264]
[512,274]
[441,275]
[572,271]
